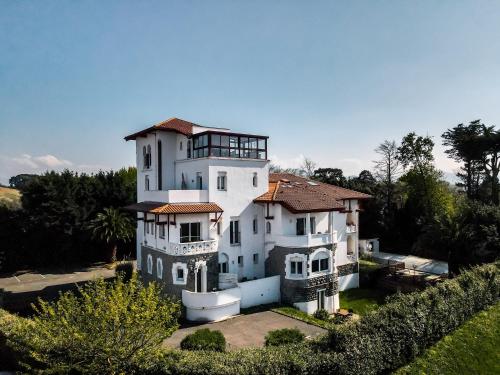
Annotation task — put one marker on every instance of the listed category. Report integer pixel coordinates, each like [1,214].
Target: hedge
[204,339]
[379,342]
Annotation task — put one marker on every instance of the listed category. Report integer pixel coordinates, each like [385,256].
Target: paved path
[433,266]
[248,330]
[23,288]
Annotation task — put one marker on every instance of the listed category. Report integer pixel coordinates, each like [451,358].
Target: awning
[161,208]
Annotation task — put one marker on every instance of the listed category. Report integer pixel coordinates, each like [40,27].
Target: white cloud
[25,163]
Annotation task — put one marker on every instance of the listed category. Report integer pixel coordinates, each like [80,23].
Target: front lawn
[362,300]
[471,349]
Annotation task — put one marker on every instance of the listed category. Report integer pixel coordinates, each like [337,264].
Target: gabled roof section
[173,124]
[298,194]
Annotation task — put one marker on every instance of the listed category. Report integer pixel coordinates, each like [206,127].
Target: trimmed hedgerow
[204,339]
[322,314]
[284,336]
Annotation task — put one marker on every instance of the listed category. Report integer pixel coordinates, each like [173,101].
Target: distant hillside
[10,197]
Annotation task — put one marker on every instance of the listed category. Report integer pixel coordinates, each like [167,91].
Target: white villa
[220,232]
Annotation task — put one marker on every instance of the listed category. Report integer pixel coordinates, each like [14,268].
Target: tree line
[59,224]
[415,210]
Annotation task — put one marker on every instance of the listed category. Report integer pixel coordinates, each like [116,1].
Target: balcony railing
[176,196]
[188,248]
[307,240]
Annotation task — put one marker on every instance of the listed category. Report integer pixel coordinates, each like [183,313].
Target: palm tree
[112,226]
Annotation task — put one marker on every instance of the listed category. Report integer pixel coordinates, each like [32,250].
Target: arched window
[295,266]
[144,157]
[179,273]
[150,264]
[320,261]
[149,156]
[268,227]
[146,183]
[223,263]
[159,268]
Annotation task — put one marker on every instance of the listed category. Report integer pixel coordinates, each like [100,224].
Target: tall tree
[308,166]
[490,141]
[387,170]
[464,142]
[333,176]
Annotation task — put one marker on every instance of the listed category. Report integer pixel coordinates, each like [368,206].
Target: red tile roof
[298,194]
[161,208]
[187,208]
[172,124]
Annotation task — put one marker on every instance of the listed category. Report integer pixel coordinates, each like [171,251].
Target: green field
[10,197]
[362,300]
[474,348]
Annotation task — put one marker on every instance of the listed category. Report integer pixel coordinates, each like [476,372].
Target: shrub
[109,328]
[322,314]
[126,269]
[284,336]
[204,339]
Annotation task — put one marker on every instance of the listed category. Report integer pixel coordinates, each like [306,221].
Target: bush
[204,339]
[111,327]
[322,314]
[284,336]
[126,269]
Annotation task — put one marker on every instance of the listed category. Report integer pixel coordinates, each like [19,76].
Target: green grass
[368,265]
[474,348]
[362,300]
[292,312]
[10,197]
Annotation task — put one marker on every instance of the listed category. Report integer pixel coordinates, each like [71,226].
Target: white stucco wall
[349,281]
[259,292]
[211,306]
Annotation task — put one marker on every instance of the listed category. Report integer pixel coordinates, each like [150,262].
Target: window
[144,158]
[150,264]
[234,232]
[240,261]
[190,232]
[189,149]
[229,145]
[320,261]
[254,180]
[146,183]
[301,226]
[199,181]
[296,267]
[224,263]
[161,231]
[147,226]
[148,157]
[268,227]
[180,145]
[159,268]
[219,227]
[221,181]
[321,299]
[312,222]
[256,258]
[160,182]
[179,273]
[255,226]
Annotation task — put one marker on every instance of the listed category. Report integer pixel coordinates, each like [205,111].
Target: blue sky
[328,80]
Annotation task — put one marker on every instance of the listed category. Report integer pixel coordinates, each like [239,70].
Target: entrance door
[321,299]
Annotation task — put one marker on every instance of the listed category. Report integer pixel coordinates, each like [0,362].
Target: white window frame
[159,268]
[149,262]
[315,256]
[232,232]
[295,257]
[175,267]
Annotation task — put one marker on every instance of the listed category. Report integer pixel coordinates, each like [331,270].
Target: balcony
[308,240]
[188,248]
[176,196]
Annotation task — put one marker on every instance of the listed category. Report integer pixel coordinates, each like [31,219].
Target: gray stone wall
[167,281]
[347,269]
[303,290]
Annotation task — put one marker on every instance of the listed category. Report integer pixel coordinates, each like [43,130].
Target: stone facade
[168,260]
[301,290]
[347,269]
